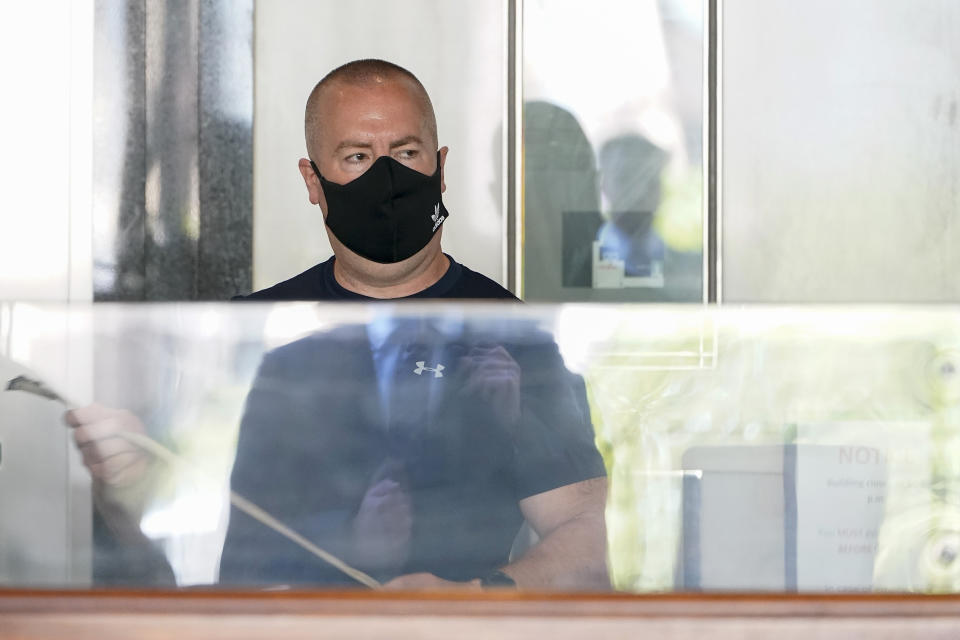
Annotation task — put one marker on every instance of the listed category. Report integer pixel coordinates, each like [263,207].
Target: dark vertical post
[225,251]
[119,154]
[711,255]
[172,147]
[514,137]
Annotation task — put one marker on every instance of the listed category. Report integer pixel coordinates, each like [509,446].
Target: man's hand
[491,374]
[383,526]
[429,582]
[110,458]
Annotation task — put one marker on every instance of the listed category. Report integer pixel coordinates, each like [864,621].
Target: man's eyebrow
[354,144]
[346,144]
[405,141]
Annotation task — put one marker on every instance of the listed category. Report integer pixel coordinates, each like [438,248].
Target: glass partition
[302,446]
[613,141]
[838,119]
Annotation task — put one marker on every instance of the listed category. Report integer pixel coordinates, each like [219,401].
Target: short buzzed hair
[360,72]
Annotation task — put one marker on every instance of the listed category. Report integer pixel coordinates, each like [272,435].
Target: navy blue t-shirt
[318,283]
[314,445]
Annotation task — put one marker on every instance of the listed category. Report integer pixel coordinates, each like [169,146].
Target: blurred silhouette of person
[630,175]
[561,202]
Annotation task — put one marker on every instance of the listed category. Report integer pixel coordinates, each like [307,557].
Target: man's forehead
[349,110]
[343,95]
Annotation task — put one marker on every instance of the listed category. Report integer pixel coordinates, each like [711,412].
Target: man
[501,432]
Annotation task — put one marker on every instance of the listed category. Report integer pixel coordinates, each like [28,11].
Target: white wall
[46,62]
[457,49]
[841,125]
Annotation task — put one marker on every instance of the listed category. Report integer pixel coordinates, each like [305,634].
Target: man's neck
[421,277]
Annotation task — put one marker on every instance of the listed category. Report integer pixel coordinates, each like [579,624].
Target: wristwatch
[498,579]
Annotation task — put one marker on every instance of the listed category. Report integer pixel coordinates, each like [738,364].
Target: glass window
[344,446]
[840,170]
[612,150]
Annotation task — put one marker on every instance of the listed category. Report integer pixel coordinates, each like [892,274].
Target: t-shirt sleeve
[555,442]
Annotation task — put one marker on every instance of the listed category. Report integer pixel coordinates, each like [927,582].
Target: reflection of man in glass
[630,179]
[419,455]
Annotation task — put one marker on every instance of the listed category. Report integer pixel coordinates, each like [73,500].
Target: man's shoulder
[304,286]
[473,285]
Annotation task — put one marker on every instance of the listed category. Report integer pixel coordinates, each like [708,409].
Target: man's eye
[356,157]
[408,154]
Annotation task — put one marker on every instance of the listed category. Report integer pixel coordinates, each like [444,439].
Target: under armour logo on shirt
[436,217]
[421,367]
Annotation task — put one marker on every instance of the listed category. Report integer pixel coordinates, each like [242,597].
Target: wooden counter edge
[493,603]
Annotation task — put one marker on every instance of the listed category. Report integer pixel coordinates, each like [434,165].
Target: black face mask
[387,214]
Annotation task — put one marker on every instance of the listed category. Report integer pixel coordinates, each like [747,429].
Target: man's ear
[443,160]
[314,190]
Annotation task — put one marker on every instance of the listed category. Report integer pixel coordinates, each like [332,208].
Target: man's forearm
[122,507]
[571,557]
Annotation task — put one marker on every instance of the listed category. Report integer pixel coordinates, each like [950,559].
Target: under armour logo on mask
[421,367]
[436,217]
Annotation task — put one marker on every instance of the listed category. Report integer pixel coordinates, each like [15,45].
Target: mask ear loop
[316,170]
[38,388]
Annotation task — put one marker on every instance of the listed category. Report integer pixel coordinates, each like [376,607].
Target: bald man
[375,169]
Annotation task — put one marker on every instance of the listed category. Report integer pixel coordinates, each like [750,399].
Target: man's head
[364,75]
[362,111]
